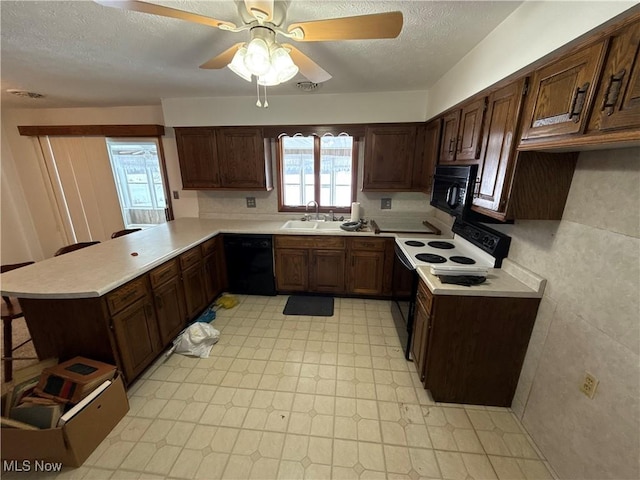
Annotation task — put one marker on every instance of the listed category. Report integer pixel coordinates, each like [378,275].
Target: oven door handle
[403,258]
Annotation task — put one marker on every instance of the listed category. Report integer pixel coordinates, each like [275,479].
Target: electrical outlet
[251,202]
[385,204]
[176,195]
[589,385]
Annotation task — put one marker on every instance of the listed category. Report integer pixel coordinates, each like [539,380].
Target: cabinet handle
[159,302]
[578,102]
[451,140]
[613,91]
[476,189]
[458,143]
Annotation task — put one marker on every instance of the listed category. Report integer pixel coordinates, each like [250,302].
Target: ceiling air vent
[308,86]
[24,93]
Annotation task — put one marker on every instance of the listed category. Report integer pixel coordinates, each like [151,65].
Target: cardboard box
[77,439]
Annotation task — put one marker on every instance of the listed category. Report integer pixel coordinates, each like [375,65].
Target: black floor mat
[308,305]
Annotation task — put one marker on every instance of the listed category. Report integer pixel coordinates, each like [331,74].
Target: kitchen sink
[311,225]
[299,225]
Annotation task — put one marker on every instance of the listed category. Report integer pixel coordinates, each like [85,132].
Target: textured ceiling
[79,53]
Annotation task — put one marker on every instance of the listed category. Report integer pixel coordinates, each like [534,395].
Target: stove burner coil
[463,260]
[441,244]
[430,258]
[414,243]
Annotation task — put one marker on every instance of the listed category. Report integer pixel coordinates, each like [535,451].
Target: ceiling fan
[263,57]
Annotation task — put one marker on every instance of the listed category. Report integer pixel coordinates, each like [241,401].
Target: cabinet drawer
[209,246]
[326,243]
[190,258]
[163,273]
[126,295]
[375,244]
[425,297]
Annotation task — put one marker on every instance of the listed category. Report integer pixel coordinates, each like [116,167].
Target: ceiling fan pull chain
[266,103]
[258,103]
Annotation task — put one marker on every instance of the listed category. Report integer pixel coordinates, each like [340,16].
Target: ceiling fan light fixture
[270,79]
[283,64]
[237,65]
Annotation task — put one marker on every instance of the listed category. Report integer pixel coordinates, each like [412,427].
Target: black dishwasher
[250,264]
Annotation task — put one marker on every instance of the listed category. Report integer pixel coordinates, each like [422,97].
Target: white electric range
[473,250]
[468,256]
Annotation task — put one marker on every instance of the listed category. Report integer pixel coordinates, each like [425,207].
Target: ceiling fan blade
[260,9]
[363,27]
[144,7]
[310,69]
[223,59]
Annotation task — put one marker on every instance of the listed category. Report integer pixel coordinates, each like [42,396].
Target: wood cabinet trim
[92,130]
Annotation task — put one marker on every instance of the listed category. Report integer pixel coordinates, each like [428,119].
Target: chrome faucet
[317,209]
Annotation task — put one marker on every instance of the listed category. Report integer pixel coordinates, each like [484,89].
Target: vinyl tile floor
[299,397]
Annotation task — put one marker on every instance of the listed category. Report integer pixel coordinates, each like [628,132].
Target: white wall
[304,109]
[26,200]
[588,321]
[532,31]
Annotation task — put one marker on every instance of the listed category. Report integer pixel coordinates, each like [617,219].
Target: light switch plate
[251,202]
[385,204]
[176,195]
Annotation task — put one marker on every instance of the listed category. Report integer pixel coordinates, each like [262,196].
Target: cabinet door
[498,147]
[212,284]
[241,158]
[366,270]
[198,157]
[561,94]
[430,154]
[450,123]
[170,309]
[617,102]
[137,335]
[292,269]
[470,131]
[194,293]
[326,272]
[388,158]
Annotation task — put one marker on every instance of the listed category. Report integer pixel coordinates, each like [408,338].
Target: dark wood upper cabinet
[429,139]
[461,133]
[226,158]
[389,155]
[198,157]
[617,100]
[241,157]
[561,94]
[498,146]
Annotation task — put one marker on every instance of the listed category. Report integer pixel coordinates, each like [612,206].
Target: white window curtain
[83,186]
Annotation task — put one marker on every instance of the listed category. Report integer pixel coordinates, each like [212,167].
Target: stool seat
[10,310]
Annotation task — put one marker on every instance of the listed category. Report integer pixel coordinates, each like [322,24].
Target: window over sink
[317,168]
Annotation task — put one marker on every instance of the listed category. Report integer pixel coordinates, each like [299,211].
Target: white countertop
[98,269]
[512,280]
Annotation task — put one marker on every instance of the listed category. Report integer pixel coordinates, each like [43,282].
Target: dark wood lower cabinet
[326,272]
[474,347]
[136,331]
[132,324]
[366,271]
[292,270]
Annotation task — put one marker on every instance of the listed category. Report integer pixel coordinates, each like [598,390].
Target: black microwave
[453,187]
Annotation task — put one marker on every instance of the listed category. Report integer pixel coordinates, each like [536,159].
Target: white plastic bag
[197,340]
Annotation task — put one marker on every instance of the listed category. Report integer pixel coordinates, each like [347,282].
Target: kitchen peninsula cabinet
[135,325]
[169,301]
[193,281]
[470,349]
[213,264]
[390,158]
[461,133]
[224,158]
